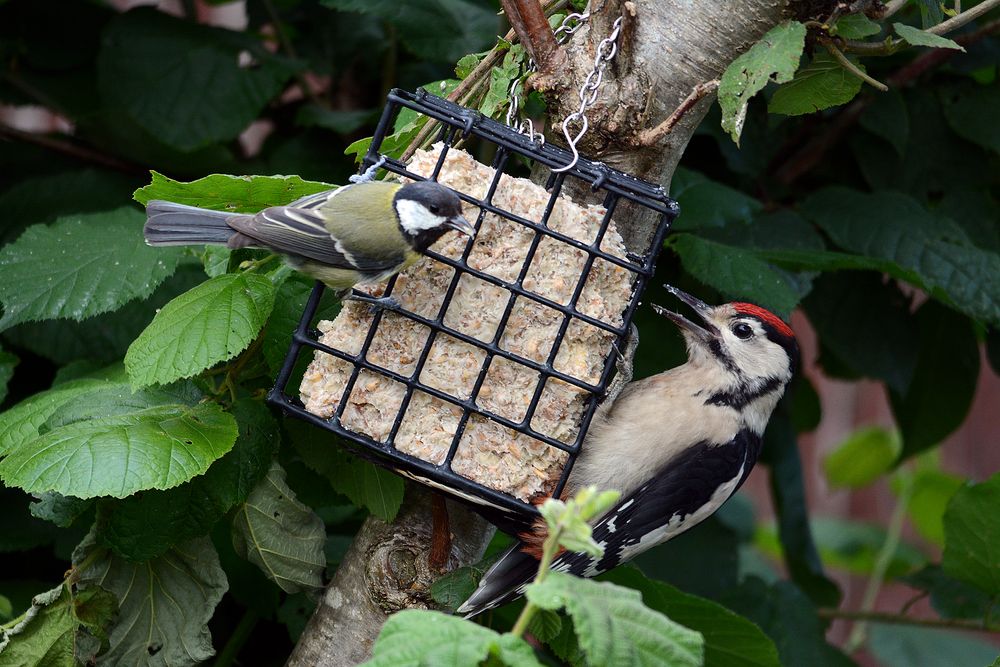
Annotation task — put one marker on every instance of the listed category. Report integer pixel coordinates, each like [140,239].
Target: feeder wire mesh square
[459,124]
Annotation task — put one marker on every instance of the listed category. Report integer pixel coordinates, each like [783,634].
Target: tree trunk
[666,49]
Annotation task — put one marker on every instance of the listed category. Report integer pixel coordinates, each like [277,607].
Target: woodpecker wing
[687,490]
[334,228]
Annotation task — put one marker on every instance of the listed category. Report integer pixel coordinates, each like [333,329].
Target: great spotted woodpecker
[676,445]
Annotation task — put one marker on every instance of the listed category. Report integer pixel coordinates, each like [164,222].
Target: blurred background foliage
[875,220]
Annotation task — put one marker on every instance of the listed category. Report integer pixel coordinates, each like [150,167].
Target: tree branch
[852,68]
[68,148]
[898,619]
[385,570]
[532,28]
[655,135]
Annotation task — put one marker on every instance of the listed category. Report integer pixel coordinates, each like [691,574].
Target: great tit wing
[349,217]
[302,232]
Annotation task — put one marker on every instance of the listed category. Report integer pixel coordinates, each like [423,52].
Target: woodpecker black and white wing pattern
[689,488]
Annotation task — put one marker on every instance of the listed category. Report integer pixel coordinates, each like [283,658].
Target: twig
[893,7]
[440,551]
[890,46]
[654,135]
[528,20]
[956,22]
[69,148]
[897,619]
[466,89]
[852,68]
[882,561]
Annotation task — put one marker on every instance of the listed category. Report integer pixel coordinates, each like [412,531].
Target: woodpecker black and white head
[676,445]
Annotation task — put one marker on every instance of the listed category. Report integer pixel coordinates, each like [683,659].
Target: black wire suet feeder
[462,124]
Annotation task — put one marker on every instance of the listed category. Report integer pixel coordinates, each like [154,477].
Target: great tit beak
[703,333]
[460,224]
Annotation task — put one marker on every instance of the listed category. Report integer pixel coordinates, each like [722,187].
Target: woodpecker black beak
[703,333]
[460,224]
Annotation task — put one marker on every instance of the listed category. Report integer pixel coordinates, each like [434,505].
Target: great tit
[357,234]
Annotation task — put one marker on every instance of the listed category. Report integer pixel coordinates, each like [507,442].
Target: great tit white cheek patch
[551,272]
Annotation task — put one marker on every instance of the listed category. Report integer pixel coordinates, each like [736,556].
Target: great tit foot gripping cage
[558,290]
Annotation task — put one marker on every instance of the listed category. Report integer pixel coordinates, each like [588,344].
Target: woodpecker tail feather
[168,223]
[504,582]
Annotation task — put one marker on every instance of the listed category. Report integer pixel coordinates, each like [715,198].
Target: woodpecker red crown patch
[765,316]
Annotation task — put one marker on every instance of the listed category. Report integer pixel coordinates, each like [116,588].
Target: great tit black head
[426,210]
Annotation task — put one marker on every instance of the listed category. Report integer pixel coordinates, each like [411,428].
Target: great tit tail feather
[168,224]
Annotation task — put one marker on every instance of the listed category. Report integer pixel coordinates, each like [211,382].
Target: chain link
[606,50]
[569,25]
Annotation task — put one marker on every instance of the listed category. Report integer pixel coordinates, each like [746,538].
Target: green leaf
[466,64]
[289,305]
[8,362]
[614,627]
[280,535]
[902,646]
[202,327]
[775,56]
[887,116]
[863,457]
[931,12]
[20,424]
[821,84]
[545,625]
[730,639]
[341,122]
[202,94]
[708,204]
[59,509]
[147,524]
[736,273]
[789,619]
[155,447]
[377,490]
[909,243]
[46,636]
[852,546]
[164,604]
[865,323]
[780,452]
[88,190]
[932,489]
[855,26]
[918,37]
[239,194]
[455,587]
[952,598]
[79,267]
[968,108]
[972,536]
[419,637]
[943,386]
[105,338]
[437,30]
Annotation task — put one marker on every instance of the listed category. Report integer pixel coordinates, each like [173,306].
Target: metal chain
[569,25]
[606,50]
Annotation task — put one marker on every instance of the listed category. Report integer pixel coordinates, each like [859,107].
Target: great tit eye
[742,330]
[434,208]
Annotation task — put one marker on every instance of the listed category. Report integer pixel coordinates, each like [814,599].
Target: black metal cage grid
[460,123]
